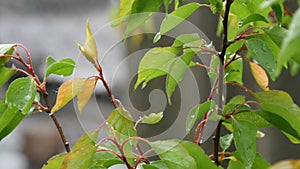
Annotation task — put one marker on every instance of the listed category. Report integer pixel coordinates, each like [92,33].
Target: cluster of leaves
[266,30]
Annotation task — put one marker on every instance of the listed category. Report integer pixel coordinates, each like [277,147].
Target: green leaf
[196,113]
[262,54]
[280,110]
[279,12]
[290,47]
[234,71]
[277,34]
[152,118]
[254,118]
[225,141]
[217,6]
[104,160]
[55,162]
[141,11]
[120,125]
[233,48]
[259,162]
[155,63]
[10,117]
[235,101]
[214,67]
[6,49]
[6,74]
[63,67]
[253,18]
[182,155]
[21,94]
[177,16]
[186,40]
[244,134]
[67,91]
[176,72]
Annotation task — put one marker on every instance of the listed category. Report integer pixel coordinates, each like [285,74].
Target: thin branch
[242,87]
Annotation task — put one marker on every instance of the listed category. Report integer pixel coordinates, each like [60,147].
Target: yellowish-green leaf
[67,91]
[120,125]
[287,164]
[125,7]
[89,49]
[85,93]
[153,118]
[260,76]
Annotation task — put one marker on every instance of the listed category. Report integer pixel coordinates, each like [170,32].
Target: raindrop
[61,75]
[193,116]
[157,37]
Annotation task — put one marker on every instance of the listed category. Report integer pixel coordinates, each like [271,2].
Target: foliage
[255,27]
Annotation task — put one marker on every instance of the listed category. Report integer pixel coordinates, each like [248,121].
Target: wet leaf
[155,63]
[225,141]
[260,76]
[259,162]
[254,18]
[234,71]
[85,93]
[66,92]
[152,118]
[244,134]
[196,113]
[10,117]
[263,55]
[182,155]
[21,94]
[6,49]
[280,110]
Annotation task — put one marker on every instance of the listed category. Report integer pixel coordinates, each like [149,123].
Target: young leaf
[234,71]
[10,117]
[155,63]
[290,47]
[63,67]
[66,92]
[55,162]
[21,94]
[196,113]
[260,51]
[225,141]
[254,18]
[85,93]
[182,155]
[260,76]
[244,134]
[177,16]
[89,49]
[120,125]
[280,110]
[152,118]
[6,74]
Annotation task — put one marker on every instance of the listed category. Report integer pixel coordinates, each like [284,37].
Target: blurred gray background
[48,27]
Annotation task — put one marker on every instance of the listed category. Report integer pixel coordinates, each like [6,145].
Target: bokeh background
[48,27]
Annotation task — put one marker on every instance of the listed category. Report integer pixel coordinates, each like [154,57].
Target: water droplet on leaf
[157,37]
